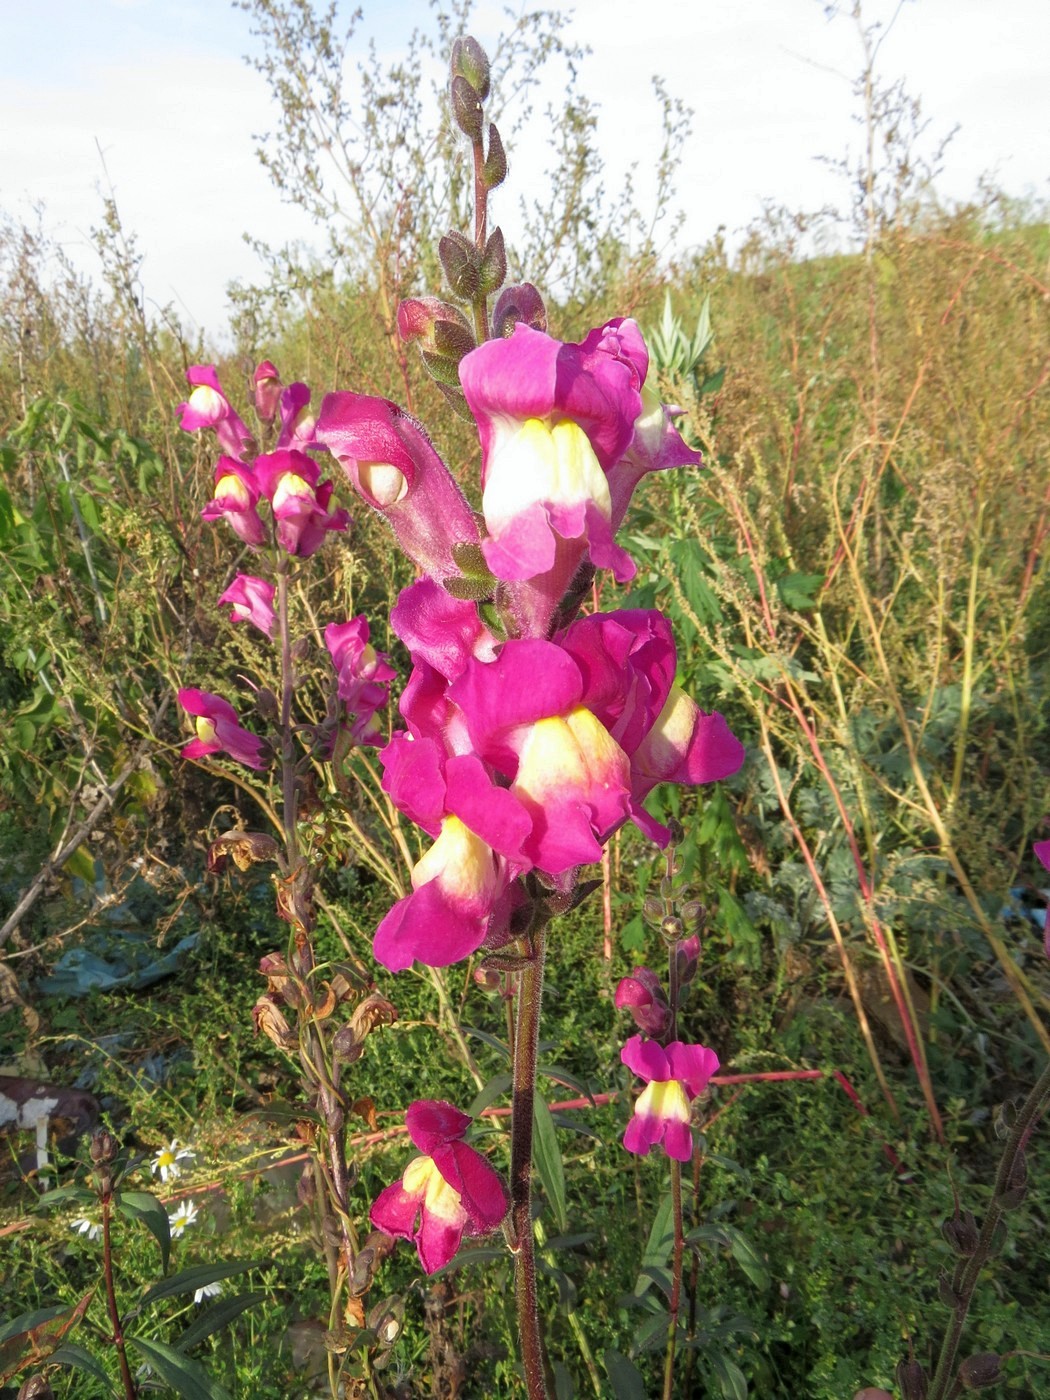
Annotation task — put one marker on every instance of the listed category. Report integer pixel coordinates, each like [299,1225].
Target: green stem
[530,997]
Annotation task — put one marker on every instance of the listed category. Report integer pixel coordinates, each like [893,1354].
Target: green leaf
[215,1318]
[492,1040]
[652,1333]
[189,1280]
[624,1376]
[730,1377]
[745,1254]
[186,1377]
[661,1242]
[713,382]
[799,591]
[489,1093]
[547,1155]
[71,1355]
[140,1206]
[66,1195]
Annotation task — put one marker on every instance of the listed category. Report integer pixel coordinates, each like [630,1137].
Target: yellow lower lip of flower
[422,1178]
[206,733]
[554,464]
[460,860]
[664,1100]
[232,490]
[566,752]
[291,485]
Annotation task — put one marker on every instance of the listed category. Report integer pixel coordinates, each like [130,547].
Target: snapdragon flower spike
[235,499]
[449,1191]
[552,419]
[251,600]
[208,407]
[392,465]
[643,995]
[290,481]
[219,730]
[674,1075]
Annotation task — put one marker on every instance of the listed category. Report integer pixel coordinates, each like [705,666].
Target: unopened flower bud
[677,831]
[266,706]
[520,303]
[643,995]
[488,979]
[653,909]
[945,1292]
[267,390]
[467,111]
[459,259]
[911,1379]
[440,327]
[104,1147]
[961,1232]
[672,928]
[469,60]
[494,170]
[36,1388]
[687,956]
[979,1371]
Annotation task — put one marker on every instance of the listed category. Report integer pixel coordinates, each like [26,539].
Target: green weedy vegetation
[857,580]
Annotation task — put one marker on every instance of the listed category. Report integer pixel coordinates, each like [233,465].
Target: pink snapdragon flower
[299,499]
[552,419]
[208,407]
[1042,851]
[251,600]
[392,465]
[526,717]
[447,1192]
[219,730]
[297,422]
[643,995]
[674,1075]
[235,500]
[363,675]
[267,390]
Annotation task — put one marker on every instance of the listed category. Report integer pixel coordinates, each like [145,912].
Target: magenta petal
[425,927]
[433,1123]
[641,1134]
[438,1240]
[396,1212]
[204,704]
[439,629]
[492,812]
[479,1185]
[691,1065]
[393,466]
[646,1059]
[1042,851]
[413,777]
[529,680]
[677,1140]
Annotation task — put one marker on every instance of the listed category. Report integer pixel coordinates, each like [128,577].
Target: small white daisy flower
[86,1227]
[166,1163]
[207,1290]
[185,1214]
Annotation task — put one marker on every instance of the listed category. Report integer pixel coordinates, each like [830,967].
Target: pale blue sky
[161,86]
